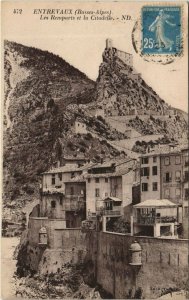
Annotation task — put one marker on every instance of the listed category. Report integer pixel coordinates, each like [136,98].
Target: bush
[88,136]
[100,118]
[71,146]
[29,189]
[82,149]
[82,143]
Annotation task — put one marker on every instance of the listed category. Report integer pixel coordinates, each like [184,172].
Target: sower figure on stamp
[159,27]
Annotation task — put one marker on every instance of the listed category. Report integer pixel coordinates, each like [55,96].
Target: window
[61,199]
[167,193]
[178,192]
[155,159]
[166,161]
[97,192]
[106,194]
[177,175]
[53,204]
[71,190]
[89,180]
[97,180]
[177,160]
[186,194]
[106,179]
[186,176]
[145,171]
[144,187]
[53,179]
[186,211]
[168,177]
[144,160]
[154,170]
[60,176]
[154,186]
[186,160]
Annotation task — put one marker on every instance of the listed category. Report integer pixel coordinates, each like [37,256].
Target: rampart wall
[164,265]
[164,261]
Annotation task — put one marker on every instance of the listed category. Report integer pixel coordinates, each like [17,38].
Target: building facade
[185,193]
[150,182]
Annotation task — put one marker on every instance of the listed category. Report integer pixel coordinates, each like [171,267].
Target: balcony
[112,213]
[148,220]
[167,180]
[52,190]
[186,164]
[115,211]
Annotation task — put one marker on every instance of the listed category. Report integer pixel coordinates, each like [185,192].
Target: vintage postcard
[95,183]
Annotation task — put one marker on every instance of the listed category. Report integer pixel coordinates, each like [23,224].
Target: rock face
[121,91]
[38,88]
[42,93]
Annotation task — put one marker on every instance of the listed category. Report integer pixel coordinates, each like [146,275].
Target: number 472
[148,43]
[17,11]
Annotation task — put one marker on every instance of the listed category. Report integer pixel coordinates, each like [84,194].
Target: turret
[109,44]
[136,252]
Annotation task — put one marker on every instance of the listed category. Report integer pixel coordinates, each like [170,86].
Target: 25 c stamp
[161,30]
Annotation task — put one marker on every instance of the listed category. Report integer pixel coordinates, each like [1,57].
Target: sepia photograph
[95,153]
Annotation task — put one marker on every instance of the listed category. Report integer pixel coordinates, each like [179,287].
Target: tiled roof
[91,165]
[63,169]
[114,161]
[155,203]
[115,199]
[84,177]
[111,174]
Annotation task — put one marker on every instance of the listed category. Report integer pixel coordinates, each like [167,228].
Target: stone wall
[164,261]
[164,265]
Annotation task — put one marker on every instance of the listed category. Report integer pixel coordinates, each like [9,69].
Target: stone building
[171,179]
[79,127]
[150,182]
[164,175]
[111,52]
[75,202]
[116,178]
[185,191]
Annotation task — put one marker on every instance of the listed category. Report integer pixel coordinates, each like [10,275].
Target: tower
[109,43]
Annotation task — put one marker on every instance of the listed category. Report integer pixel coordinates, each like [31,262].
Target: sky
[82,43]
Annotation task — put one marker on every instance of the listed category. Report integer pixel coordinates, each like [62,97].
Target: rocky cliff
[121,91]
[41,96]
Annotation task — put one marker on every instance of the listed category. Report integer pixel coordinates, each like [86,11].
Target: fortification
[111,52]
[110,257]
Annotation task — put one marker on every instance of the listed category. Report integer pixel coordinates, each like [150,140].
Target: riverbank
[8,267]
[68,284]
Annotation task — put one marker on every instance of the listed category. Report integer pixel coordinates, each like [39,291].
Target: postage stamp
[161,30]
